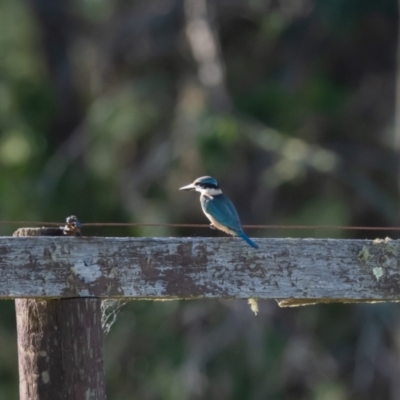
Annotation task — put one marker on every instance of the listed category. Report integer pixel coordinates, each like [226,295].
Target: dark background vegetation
[107,107]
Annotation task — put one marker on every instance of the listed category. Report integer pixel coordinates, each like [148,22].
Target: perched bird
[218,208]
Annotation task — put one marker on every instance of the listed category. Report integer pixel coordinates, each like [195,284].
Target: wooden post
[60,344]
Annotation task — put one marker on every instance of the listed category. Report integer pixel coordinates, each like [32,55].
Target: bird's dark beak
[188,187]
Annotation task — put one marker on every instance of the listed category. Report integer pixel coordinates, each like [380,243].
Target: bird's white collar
[209,192]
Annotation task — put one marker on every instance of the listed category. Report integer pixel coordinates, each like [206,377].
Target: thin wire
[139,224]
[376,228]
[32,223]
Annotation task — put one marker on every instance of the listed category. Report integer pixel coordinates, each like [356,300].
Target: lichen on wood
[192,268]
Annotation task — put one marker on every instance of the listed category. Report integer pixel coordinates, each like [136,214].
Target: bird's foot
[212,226]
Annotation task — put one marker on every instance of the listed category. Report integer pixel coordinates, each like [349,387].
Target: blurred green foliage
[104,114]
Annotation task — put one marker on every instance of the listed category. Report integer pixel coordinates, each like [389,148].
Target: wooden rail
[304,270]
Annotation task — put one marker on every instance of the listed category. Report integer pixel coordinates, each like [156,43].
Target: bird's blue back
[223,210]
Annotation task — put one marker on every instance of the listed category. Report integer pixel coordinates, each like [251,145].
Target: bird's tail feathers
[247,239]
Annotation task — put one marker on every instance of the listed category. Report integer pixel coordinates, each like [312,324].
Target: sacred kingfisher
[218,208]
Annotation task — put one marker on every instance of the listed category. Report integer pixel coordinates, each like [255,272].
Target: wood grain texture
[60,349]
[188,268]
[39,360]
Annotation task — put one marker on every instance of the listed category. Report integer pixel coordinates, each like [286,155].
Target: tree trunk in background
[56,27]
[397,107]
[206,51]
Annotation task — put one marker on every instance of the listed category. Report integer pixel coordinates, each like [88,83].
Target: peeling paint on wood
[60,341]
[189,268]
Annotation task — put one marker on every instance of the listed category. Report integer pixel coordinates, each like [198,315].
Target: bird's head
[205,185]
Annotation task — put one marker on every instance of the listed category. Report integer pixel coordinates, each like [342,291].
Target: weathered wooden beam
[297,270]
[60,344]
